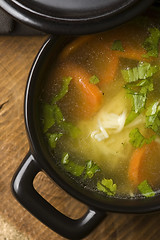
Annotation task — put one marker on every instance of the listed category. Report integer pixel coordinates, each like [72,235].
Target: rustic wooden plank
[16,57]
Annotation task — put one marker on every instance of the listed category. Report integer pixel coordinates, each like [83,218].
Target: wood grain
[16,57]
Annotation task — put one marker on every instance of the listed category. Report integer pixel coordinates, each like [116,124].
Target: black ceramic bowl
[39,159]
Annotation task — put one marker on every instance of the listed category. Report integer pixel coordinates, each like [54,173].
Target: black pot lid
[74,16]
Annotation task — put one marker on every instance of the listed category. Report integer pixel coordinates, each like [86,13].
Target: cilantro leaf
[65,158]
[132,115]
[59,120]
[48,117]
[151,43]
[91,169]
[138,140]
[138,90]
[117,46]
[53,138]
[58,116]
[70,129]
[72,167]
[139,101]
[107,186]
[153,117]
[63,91]
[94,79]
[146,189]
[139,83]
[142,71]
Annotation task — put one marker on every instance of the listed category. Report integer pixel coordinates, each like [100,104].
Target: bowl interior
[36,82]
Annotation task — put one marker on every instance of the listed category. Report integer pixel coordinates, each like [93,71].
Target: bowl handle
[25,193]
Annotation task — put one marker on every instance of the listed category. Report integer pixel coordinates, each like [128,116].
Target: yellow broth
[93,55]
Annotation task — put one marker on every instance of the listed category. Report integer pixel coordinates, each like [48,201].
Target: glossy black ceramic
[39,159]
[74,17]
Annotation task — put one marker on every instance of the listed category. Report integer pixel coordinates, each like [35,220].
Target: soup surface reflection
[101,110]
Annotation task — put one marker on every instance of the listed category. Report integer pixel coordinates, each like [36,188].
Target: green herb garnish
[138,91]
[58,114]
[107,186]
[65,158]
[117,46]
[153,117]
[139,83]
[63,91]
[72,167]
[138,140]
[88,169]
[53,116]
[152,42]
[91,169]
[139,101]
[132,115]
[146,189]
[53,138]
[94,79]
[142,71]
[70,129]
[48,117]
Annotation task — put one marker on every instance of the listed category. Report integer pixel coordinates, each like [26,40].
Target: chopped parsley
[142,71]
[132,115]
[117,46]
[58,114]
[74,169]
[48,117]
[138,140]
[153,117]
[151,43]
[139,101]
[138,92]
[146,189]
[138,83]
[91,169]
[52,115]
[94,79]
[71,167]
[107,186]
[53,138]
[63,91]
[65,158]
[70,129]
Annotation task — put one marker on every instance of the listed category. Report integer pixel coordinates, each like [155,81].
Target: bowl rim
[136,206]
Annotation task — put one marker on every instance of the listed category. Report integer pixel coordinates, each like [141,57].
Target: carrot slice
[135,166]
[111,70]
[71,47]
[84,98]
[145,165]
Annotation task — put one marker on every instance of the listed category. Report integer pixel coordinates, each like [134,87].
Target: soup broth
[101,110]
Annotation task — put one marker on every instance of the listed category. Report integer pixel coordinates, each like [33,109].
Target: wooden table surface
[16,57]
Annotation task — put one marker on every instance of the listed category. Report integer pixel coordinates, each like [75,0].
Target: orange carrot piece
[71,47]
[144,164]
[86,96]
[111,69]
[135,166]
[114,58]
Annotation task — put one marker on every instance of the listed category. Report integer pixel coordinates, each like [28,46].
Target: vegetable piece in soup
[101,110]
